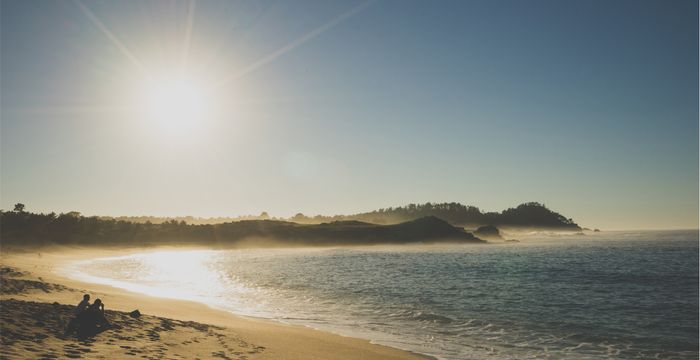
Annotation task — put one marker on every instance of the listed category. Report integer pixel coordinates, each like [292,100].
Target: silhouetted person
[96,313]
[92,320]
[82,305]
[74,322]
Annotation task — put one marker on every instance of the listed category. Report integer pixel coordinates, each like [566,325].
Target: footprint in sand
[31,348]
[167,325]
[220,354]
[73,354]
[72,351]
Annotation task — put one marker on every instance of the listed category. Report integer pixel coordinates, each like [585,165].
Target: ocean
[623,295]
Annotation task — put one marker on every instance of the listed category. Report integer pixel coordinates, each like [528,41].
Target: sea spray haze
[628,295]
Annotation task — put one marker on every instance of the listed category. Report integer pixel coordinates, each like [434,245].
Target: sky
[339,107]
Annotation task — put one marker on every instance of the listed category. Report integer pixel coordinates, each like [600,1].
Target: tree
[299,217]
[19,207]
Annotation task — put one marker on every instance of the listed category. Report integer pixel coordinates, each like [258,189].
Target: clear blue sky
[342,106]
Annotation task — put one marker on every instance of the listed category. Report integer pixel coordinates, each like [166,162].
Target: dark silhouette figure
[97,311]
[89,319]
[83,305]
[92,321]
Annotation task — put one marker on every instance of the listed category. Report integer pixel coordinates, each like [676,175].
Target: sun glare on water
[170,274]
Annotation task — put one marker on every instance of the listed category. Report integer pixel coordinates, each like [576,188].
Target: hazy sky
[343,106]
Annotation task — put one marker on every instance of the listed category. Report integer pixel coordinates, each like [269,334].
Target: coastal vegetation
[530,215]
[20,227]
[409,224]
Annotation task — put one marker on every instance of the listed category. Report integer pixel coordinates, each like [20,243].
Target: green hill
[528,215]
[24,228]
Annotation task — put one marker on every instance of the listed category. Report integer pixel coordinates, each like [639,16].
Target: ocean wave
[539,301]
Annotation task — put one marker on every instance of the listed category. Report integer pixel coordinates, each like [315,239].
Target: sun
[176,103]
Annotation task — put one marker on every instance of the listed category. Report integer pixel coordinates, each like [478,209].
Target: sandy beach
[37,303]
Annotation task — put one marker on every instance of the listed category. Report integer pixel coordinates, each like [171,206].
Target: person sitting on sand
[80,309]
[90,322]
[96,313]
[82,305]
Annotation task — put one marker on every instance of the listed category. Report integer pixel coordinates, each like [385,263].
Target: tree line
[531,214]
[19,225]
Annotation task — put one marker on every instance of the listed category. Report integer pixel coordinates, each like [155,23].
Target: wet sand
[37,304]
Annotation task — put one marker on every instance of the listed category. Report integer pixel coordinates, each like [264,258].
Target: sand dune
[35,330]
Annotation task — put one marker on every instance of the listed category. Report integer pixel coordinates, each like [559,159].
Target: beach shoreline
[279,340]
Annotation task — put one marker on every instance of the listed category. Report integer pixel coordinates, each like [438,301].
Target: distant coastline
[428,223]
[530,215]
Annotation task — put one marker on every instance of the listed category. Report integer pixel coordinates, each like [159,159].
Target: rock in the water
[134,314]
[488,232]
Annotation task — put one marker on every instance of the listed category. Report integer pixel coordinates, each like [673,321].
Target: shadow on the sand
[91,332]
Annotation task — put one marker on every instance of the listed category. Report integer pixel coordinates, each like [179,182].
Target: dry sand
[36,304]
